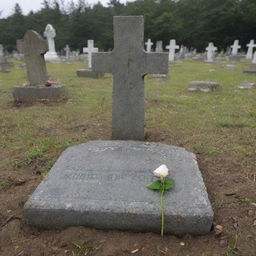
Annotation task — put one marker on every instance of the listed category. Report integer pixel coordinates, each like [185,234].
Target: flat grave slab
[89,73]
[102,184]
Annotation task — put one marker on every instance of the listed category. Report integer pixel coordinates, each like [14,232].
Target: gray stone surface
[129,63]
[251,69]
[86,72]
[246,86]
[231,67]
[235,57]
[203,86]
[34,93]
[102,184]
[34,47]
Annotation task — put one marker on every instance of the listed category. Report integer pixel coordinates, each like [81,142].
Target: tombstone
[245,86]
[210,52]
[149,45]
[67,52]
[252,68]
[172,47]
[3,62]
[88,71]
[103,183]
[159,46]
[203,86]
[249,53]
[234,52]
[50,34]
[33,46]
[231,67]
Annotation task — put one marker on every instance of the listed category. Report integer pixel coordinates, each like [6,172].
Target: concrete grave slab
[102,184]
[86,72]
[203,86]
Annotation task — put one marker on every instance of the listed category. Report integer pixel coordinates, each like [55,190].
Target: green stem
[162,209]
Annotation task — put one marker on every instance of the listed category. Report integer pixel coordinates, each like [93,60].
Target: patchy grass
[219,127]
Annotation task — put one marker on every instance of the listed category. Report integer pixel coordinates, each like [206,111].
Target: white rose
[161,171]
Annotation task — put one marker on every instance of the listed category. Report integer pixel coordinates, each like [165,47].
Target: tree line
[192,23]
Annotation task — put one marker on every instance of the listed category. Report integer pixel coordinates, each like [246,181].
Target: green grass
[222,122]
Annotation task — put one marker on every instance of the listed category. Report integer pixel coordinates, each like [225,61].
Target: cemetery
[145,147]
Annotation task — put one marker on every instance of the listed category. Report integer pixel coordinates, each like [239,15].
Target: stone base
[52,57]
[247,85]
[235,57]
[88,73]
[203,86]
[34,93]
[251,70]
[102,184]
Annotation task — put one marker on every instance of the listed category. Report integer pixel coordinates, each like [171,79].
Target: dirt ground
[228,181]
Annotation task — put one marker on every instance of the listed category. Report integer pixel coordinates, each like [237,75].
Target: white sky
[6,6]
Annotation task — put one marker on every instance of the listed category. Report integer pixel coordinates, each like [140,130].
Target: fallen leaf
[134,251]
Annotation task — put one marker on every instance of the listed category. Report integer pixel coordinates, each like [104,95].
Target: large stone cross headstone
[235,47]
[33,46]
[172,47]
[50,34]
[129,63]
[90,49]
[249,53]
[149,45]
[210,52]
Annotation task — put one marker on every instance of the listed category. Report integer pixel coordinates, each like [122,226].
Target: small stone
[223,242]
[182,243]
[203,86]
[250,213]
[218,229]
[246,86]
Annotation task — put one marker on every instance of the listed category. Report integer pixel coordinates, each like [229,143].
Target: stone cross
[210,51]
[172,47]
[254,58]
[33,46]
[90,49]
[250,46]
[159,46]
[235,48]
[129,63]
[67,50]
[50,34]
[148,45]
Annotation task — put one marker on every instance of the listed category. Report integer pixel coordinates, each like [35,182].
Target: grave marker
[90,49]
[249,53]
[211,52]
[128,63]
[159,46]
[149,45]
[172,47]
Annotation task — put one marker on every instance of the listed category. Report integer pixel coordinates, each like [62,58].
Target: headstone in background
[252,68]
[33,46]
[244,86]
[249,54]
[172,47]
[67,52]
[203,86]
[211,52]
[87,72]
[3,61]
[234,52]
[149,45]
[50,34]
[128,63]
[159,46]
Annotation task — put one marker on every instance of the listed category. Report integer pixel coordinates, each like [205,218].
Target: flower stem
[162,209]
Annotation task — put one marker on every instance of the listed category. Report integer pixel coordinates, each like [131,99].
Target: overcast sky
[6,6]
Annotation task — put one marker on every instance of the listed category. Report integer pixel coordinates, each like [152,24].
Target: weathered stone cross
[172,47]
[129,63]
[90,49]
[33,46]
[235,48]
[250,46]
[211,51]
[148,45]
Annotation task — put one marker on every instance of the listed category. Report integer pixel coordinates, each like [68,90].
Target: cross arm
[156,63]
[102,62]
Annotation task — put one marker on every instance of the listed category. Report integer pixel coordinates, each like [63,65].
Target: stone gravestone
[67,52]
[50,34]
[234,52]
[149,45]
[129,63]
[103,183]
[249,53]
[252,68]
[172,47]
[33,46]
[3,62]
[88,72]
[210,52]
[159,46]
